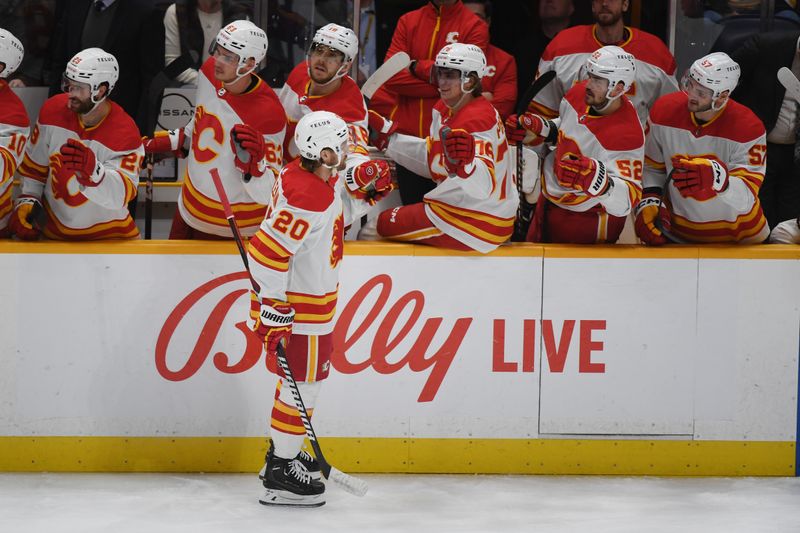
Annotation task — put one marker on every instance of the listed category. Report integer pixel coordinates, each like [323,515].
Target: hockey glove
[583,174]
[699,178]
[528,128]
[249,150]
[161,142]
[273,322]
[459,152]
[370,181]
[651,216]
[24,220]
[79,159]
[381,130]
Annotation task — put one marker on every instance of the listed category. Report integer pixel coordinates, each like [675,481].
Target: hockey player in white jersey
[592,179]
[705,160]
[238,128]
[475,200]
[81,166]
[322,83]
[14,124]
[295,258]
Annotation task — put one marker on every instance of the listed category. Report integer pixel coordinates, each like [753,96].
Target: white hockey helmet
[319,130]
[614,64]
[244,39]
[464,57]
[11,52]
[94,67]
[717,72]
[338,38]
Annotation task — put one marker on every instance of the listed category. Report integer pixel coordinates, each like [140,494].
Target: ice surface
[201,503]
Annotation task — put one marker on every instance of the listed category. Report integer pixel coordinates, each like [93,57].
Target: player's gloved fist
[422,69]
[528,128]
[380,130]
[651,216]
[459,151]
[166,142]
[699,178]
[583,174]
[370,181]
[249,150]
[23,219]
[79,159]
[273,322]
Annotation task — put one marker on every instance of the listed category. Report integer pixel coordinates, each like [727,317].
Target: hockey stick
[148,198]
[537,85]
[390,67]
[351,484]
[790,82]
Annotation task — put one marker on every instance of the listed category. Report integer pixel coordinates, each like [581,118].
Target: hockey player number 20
[296,228]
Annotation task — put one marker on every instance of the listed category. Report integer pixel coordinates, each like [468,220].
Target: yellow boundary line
[620,251]
[399,455]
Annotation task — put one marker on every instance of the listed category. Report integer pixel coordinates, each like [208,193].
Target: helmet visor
[76,88]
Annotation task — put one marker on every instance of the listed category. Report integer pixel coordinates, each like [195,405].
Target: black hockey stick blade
[537,85]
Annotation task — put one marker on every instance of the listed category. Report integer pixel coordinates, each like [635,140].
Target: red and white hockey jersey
[216,113]
[347,102]
[568,51]
[296,253]
[617,140]
[734,137]
[14,130]
[478,211]
[76,212]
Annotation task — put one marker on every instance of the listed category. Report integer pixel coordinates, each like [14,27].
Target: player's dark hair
[309,164]
[478,89]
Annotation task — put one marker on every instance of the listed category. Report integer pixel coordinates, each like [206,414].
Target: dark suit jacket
[760,57]
[129,40]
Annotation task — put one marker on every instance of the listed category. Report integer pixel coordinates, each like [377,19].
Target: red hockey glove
[528,128]
[79,159]
[23,222]
[651,215]
[380,130]
[370,181]
[459,151]
[165,142]
[583,174]
[273,322]
[249,150]
[422,69]
[699,178]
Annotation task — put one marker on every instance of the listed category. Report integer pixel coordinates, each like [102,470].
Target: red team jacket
[501,80]
[421,34]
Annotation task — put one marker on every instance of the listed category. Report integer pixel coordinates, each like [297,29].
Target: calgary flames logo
[59,180]
[337,241]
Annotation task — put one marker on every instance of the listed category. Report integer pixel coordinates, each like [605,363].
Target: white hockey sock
[286,428]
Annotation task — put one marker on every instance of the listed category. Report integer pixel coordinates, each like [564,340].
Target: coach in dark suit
[123,28]
[760,57]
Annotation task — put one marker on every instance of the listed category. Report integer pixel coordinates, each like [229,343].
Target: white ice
[204,503]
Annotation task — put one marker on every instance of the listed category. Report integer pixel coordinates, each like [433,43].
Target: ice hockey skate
[306,459]
[287,482]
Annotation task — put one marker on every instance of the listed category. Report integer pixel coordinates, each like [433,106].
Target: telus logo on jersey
[371,328]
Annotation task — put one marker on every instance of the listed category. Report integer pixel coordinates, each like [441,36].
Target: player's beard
[607,18]
[595,101]
[81,107]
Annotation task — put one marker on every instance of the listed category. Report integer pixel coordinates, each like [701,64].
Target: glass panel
[703,26]
[290,28]
[33,22]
